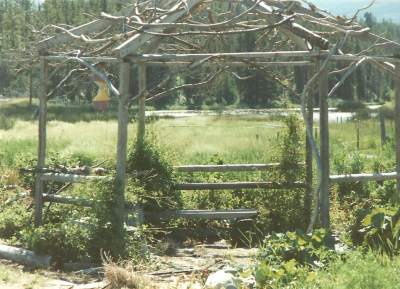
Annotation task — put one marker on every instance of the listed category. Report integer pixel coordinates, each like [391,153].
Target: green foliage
[350,163]
[378,229]
[6,123]
[63,241]
[155,175]
[13,218]
[357,271]
[288,258]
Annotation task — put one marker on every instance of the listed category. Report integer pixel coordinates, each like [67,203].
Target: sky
[382,9]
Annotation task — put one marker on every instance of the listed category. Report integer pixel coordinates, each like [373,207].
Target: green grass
[359,272]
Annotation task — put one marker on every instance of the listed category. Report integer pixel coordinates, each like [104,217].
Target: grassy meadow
[193,140]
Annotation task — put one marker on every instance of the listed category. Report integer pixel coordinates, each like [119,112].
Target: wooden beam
[375,177]
[38,198]
[226,168]
[70,178]
[324,146]
[205,214]
[397,125]
[123,120]
[24,257]
[106,59]
[142,103]
[232,64]
[309,151]
[68,200]
[232,55]
[177,12]
[238,186]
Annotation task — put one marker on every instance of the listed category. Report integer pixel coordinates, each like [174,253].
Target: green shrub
[291,257]
[357,271]
[378,229]
[6,122]
[13,219]
[156,175]
[63,241]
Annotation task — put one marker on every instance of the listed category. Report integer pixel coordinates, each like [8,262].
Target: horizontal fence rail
[227,167]
[364,177]
[239,185]
[204,214]
[70,178]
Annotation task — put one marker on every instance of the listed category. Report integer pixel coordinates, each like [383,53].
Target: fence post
[141,103]
[309,157]
[324,147]
[123,119]
[397,127]
[39,185]
[382,128]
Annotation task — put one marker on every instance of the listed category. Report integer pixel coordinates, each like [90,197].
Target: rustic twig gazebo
[134,37]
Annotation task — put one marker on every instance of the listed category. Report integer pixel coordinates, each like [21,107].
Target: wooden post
[397,127]
[358,133]
[309,158]
[142,103]
[324,147]
[382,128]
[39,185]
[123,120]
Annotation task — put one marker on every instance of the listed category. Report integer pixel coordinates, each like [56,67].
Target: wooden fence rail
[364,177]
[239,185]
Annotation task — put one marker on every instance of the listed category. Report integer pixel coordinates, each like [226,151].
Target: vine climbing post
[123,120]
[397,127]
[141,103]
[324,146]
[44,70]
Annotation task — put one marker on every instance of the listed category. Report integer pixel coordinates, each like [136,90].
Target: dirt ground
[187,267]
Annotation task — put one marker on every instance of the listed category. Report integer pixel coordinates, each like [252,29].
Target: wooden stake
[42,142]
[123,119]
[324,147]
[382,128]
[397,127]
[309,159]
[142,104]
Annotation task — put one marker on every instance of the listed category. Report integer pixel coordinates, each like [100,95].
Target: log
[364,177]
[238,186]
[226,168]
[397,127]
[38,198]
[204,214]
[70,178]
[68,200]
[24,257]
[324,146]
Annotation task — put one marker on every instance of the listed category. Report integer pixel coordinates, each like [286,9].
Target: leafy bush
[156,175]
[13,219]
[357,271]
[378,229]
[289,257]
[6,122]
[352,163]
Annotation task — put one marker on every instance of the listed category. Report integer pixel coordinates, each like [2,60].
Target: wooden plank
[142,103]
[204,214]
[135,42]
[68,200]
[238,186]
[38,198]
[70,178]
[106,59]
[324,147]
[232,55]
[123,120]
[375,177]
[309,152]
[397,127]
[232,63]
[226,168]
